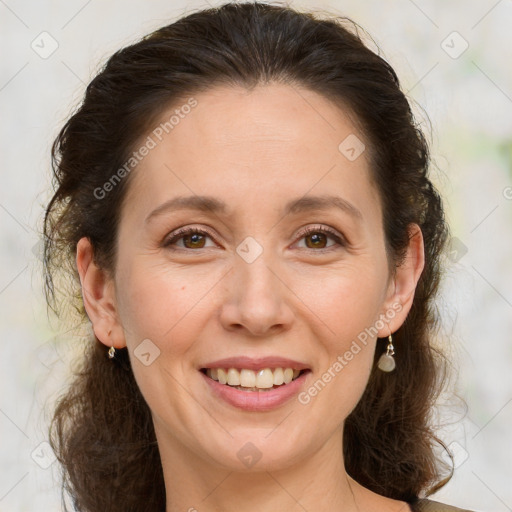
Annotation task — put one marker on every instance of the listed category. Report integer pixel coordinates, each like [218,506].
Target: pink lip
[256,363]
[257,401]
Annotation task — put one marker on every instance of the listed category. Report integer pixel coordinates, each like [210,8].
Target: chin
[256,449]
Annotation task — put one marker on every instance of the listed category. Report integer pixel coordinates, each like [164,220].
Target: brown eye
[318,240]
[192,239]
[195,240]
[318,237]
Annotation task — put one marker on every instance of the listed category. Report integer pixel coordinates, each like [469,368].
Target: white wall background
[468,98]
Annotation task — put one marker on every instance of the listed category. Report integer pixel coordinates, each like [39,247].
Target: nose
[257,299]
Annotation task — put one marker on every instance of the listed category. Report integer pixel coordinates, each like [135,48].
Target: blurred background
[453,59]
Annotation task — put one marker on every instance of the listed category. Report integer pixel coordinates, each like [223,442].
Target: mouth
[255,384]
[257,389]
[248,380]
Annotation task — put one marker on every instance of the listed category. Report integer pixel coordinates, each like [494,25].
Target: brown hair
[102,432]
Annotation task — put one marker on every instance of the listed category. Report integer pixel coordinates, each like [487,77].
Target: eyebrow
[214,205]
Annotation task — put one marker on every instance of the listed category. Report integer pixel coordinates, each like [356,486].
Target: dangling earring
[387,361]
[111,350]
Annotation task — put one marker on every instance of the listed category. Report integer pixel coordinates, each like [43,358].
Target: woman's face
[253,171]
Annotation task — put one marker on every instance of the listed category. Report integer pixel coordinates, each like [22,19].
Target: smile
[243,388]
[250,380]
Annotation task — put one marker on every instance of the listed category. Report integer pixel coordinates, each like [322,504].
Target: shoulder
[434,506]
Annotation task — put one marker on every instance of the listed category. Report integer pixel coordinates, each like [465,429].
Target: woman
[243,202]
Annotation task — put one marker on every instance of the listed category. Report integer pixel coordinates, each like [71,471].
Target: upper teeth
[263,379]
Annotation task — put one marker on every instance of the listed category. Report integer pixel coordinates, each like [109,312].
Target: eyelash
[308,231]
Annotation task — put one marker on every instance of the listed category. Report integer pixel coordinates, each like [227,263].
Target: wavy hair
[101,430]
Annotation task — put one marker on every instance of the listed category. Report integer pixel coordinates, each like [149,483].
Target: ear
[98,293]
[401,289]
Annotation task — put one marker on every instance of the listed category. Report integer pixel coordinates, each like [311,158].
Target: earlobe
[403,286]
[98,297]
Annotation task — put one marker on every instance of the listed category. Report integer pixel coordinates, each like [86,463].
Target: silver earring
[111,350]
[387,361]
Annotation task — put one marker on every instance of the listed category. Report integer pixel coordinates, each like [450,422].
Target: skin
[201,301]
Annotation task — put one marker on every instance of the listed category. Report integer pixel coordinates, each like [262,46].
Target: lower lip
[256,400]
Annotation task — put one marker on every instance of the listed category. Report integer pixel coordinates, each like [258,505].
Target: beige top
[434,506]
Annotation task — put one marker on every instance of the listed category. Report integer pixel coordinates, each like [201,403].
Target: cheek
[164,307]
[158,303]
[346,301]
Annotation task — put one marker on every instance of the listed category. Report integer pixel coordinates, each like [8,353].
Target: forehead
[269,144]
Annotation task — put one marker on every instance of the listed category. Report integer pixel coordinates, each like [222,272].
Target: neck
[315,483]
